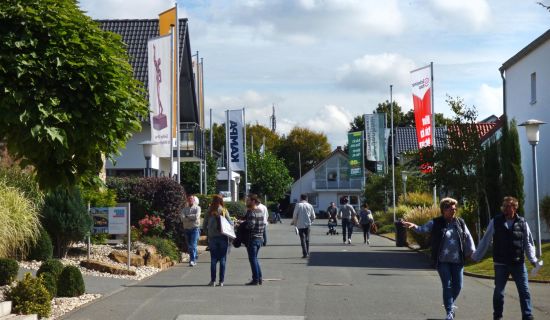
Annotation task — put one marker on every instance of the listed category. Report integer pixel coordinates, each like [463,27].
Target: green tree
[312,146]
[68,93]
[218,133]
[493,185]
[268,175]
[512,176]
[257,133]
[398,116]
[440,119]
[358,124]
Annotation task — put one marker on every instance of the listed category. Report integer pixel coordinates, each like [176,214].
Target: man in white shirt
[262,207]
[302,217]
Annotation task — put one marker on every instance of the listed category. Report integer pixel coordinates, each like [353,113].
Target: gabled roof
[525,51]
[405,139]
[484,129]
[338,150]
[135,33]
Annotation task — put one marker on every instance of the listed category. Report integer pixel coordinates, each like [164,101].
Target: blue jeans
[519,274]
[304,240]
[252,249]
[347,226]
[218,252]
[451,281]
[192,237]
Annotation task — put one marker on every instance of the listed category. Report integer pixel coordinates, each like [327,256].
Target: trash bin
[400,234]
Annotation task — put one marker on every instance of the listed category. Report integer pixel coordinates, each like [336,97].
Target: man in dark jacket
[512,241]
[255,224]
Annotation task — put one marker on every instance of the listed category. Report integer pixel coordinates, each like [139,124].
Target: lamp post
[147,153]
[404,178]
[532,130]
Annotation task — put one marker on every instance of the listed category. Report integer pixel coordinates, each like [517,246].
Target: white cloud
[124,9]
[488,101]
[466,14]
[333,121]
[376,72]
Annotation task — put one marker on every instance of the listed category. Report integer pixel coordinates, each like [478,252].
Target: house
[526,79]
[328,182]
[135,33]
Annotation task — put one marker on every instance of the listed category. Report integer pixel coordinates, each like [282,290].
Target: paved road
[337,282]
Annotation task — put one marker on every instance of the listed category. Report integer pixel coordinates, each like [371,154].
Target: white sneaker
[368,242]
[220,284]
[211,284]
[450,316]
[349,241]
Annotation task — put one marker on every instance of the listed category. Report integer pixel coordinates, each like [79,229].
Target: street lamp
[532,130]
[147,153]
[404,178]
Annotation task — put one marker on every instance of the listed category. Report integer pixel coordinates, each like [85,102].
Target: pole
[129,231]
[227,165]
[300,171]
[392,151]
[245,158]
[536,184]
[178,129]
[89,242]
[433,124]
[211,134]
[171,102]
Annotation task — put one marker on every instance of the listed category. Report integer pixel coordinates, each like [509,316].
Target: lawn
[485,266]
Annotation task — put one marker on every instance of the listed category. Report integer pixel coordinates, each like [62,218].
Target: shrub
[235,208]
[70,282]
[389,228]
[24,182]
[49,280]
[52,266]
[417,199]
[99,238]
[101,197]
[204,200]
[545,209]
[151,225]
[30,296]
[165,247]
[43,248]
[65,218]
[20,222]
[8,271]
[419,216]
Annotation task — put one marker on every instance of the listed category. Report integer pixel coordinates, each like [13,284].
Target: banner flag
[235,140]
[375,128]
[167,19]
[355,145]
[421,80]
[158,65]
[195,67]
[201,94]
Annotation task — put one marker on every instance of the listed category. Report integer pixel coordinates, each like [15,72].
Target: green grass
[485,266]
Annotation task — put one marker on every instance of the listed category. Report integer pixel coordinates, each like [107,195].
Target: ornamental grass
[419,216]
[20,224]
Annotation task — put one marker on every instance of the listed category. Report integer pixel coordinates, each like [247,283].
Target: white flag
[158,67]
[235,140]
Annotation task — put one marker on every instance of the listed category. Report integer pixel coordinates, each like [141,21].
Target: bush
[235,208]
[99,238]
[43,248]
[151,225]
[416,199]
[20,222]
[165,247]
[50,282]
[8,271]
[66,218]
[545,209]
[102,197]
[52,266]
[388,228]
[419,216]
[30,296]
[70,282]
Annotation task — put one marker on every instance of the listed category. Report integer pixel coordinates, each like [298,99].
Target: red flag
[422,101]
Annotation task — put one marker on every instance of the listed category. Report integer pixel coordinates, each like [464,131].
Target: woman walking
[366,220]
[217,242]
[451,243]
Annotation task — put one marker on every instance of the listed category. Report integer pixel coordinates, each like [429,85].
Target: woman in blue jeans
[451,243]
[217,242]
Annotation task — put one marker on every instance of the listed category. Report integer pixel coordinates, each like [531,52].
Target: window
[533,88]
[312,199]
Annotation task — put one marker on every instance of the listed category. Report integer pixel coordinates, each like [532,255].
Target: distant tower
[273,120]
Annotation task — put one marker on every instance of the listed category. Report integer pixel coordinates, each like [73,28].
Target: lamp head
[532,130]
[404,175]
[148,148]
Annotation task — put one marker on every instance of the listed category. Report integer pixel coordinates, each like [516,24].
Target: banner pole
[392,151]
[245,159]
[171,102]
[178,129]
[227,165]
[433,126]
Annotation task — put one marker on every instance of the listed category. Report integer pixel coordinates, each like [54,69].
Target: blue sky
[323,62]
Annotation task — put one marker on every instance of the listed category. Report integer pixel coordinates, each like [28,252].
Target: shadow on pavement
[388,260]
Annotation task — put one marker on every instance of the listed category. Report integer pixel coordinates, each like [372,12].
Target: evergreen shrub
[8,271]
[99,238]
[50,282]
[42,249]
[30,296]
[165,247]
[53,266]
[70,282]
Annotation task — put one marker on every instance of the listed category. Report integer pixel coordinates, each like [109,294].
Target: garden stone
[122,257]
[104,267]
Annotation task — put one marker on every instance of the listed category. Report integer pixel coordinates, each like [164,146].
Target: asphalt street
[338,281]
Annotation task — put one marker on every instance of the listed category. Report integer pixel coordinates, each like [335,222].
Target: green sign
[355,145]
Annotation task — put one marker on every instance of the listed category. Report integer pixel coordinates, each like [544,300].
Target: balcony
[352,185]
[191,142]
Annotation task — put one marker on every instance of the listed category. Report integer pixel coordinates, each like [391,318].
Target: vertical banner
[167,19]
[201,93]
[235,141]
[195,66]
[421,80]
[375,139]
[158,65]
[355,145]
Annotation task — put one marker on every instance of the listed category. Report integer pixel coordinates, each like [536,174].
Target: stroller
[332,226]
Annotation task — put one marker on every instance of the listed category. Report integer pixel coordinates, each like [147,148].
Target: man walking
[302,217]
[332,212]
[255,224]
[512,240]
[190,216]
[347,213]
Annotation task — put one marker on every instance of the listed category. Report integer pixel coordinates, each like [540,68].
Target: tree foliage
[312,147]
[257,134]
[268,175]
[512,176]
[68,93]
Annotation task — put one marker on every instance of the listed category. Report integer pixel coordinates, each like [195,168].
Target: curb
[467,273]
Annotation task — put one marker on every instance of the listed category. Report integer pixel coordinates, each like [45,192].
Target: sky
[323,62]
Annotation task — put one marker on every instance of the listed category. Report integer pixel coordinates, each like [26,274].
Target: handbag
[354,220]
[373,228]
[226,228]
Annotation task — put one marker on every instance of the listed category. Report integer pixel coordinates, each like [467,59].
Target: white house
[526,93]
[328,182]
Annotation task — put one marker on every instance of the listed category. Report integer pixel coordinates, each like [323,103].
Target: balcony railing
[353,184]
[191,141]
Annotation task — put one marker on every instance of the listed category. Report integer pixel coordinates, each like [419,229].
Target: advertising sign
[375,140]
[235,140]
[355,145]
[421,80]
[111,220]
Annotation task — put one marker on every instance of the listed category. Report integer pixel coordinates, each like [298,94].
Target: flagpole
[392,151]
[227,165]
[178,129]
[171,102]
[211,134]
[433,126]
[245,157]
